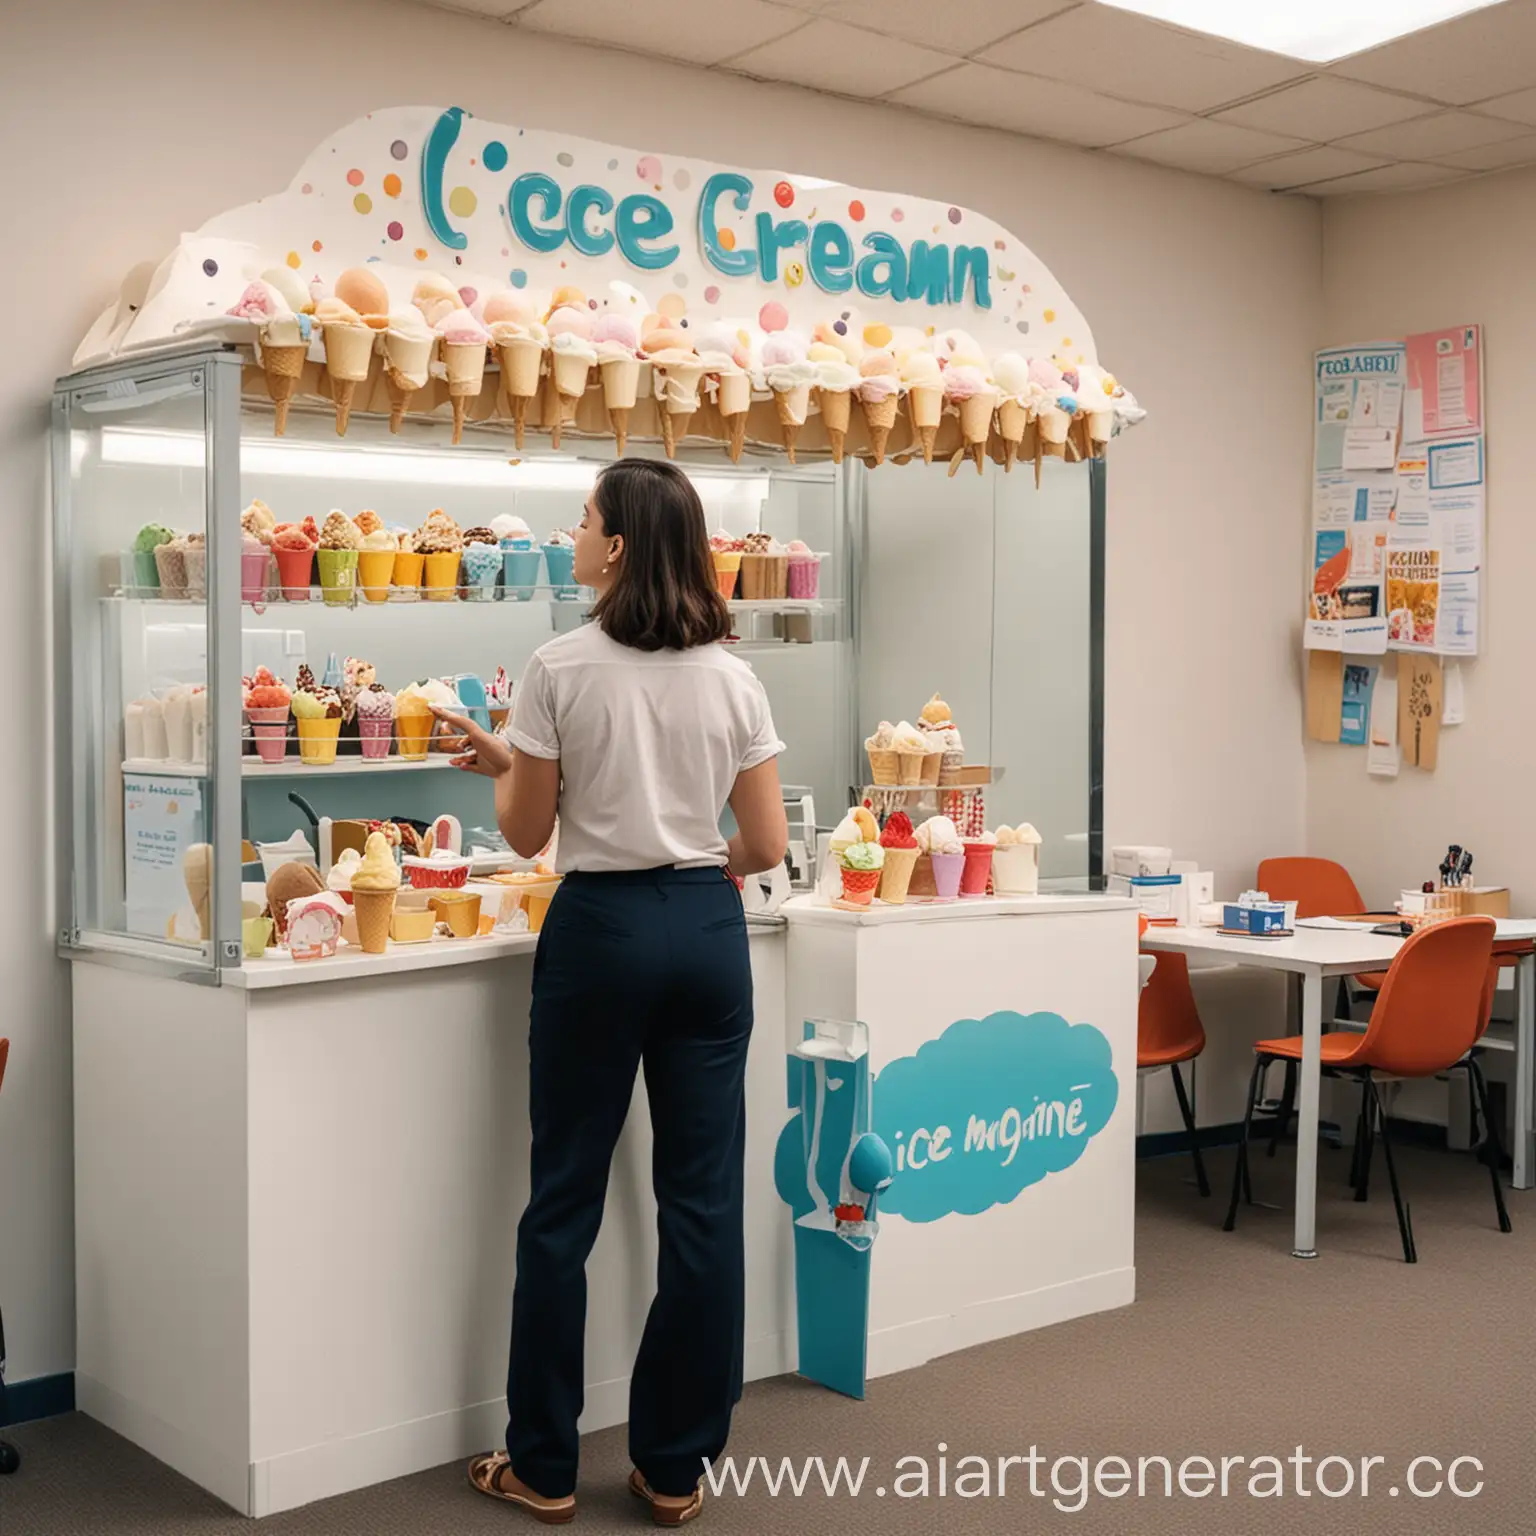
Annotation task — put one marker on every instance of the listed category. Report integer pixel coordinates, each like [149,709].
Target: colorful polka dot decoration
[363,203]
[773,317]
[395,230]
[648,168]
[354,178]
[727,239]
[856,211]
[391,185]
[463,202]
[495,156]
[784,195]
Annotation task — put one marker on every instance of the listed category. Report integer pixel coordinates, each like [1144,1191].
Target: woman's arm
[762,831]
[527,787]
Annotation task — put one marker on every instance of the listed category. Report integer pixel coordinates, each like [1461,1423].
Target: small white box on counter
[1134,860]
[1157,895]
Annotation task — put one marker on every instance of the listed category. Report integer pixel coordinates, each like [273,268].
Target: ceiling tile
[1324,109]
[998,98]
[1125,55]
[1403,177]
[695,31]
[956,26]
[1214,148]
[1493,157]
[1518,106]
[1309,165]
[1428,138]
[1486,53]
[829,56]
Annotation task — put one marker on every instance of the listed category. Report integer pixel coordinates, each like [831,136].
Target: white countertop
[351,964]
[809,909]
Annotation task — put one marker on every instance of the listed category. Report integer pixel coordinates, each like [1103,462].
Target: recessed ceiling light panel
[1318,31]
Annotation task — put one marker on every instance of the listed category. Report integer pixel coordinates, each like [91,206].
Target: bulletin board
[1398,531]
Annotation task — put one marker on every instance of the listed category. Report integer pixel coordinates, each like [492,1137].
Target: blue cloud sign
[989,1108]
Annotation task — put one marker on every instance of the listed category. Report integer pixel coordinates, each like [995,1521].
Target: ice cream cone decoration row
[917,394]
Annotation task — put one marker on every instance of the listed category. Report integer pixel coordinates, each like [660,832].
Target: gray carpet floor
[1232,1349]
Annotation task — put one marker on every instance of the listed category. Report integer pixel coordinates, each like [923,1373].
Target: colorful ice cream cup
[338,576]
[255,935]
[413,732]
[374,733]
[482,565]
[254,564]
[948,868]
[408,568]
[317,741]
[805,577]
[459,909]
[441,583]
[146,574]
[293,571]
[561,561]
[978,869]
[270,728]
[520,572]
[375,571]
[727,571]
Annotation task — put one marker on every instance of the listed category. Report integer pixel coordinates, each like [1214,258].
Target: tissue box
[1261,917]
[1158,896]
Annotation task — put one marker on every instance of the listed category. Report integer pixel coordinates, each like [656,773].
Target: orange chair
[9,1458]
[1319,887]
[1168,1031]
[1433,1009]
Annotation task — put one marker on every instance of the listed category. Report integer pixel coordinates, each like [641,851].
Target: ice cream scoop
[439,534]
[898,832]
[1020,836]
[907,738]
[940,835]
[340,532]
[512,530]
[340,877]
[377,870]
[435,297]
[863,856]
[362,290]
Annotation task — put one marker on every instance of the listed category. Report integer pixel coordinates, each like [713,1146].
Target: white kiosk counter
[297,1193]
[1001,1043]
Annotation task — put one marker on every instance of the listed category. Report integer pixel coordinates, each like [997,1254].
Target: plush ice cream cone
[570,380]
[792,406]
[879,417]
[836,405]
[735,400]
[926,402]
[407,366]
[465,362]
[348,352]
[884,766]
[282,366]
[976,426]
[374,910]
[1012,418]
[621,386]
[521,359]
[909,767]
[678,399]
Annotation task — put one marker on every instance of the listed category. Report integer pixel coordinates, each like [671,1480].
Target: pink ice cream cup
[270,728]
[948,869]
[805,576]
[253,574]
[375,732]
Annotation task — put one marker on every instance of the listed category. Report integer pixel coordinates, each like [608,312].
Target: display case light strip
[184,450]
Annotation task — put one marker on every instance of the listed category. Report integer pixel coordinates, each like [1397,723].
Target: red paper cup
[978,869]
[293,571]
[859,886]
[270,727]
[375,732]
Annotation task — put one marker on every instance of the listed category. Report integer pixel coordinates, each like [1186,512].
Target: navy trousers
[645,969]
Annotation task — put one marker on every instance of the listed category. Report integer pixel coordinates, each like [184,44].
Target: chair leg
[1189,1125]
[1404,1213]
[1492,1153]
[1365,1146]
[1287,1108]
[1240,1184]
[10,1458]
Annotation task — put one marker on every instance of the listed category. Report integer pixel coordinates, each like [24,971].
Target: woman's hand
[489,756]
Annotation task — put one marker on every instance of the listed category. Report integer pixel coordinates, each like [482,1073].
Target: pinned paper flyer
[1383,756]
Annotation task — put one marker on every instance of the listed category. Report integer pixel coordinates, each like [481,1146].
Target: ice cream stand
[297,1178]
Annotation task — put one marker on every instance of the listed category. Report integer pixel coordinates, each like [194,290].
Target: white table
[1316,953]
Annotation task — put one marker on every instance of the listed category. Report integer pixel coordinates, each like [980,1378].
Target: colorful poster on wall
[1355,707]
[1445,373]
[1413,598]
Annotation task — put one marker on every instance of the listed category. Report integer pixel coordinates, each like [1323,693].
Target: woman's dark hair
[665,597]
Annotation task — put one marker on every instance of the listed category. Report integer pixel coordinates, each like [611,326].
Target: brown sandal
[664,1510]
[492,1475]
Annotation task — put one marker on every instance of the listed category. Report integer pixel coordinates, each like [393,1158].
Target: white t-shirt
[649,742]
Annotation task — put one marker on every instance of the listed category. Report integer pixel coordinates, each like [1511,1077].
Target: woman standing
[637,729]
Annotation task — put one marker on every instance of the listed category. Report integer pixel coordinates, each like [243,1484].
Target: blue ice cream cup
[481,567]
[561,560]
[521,572]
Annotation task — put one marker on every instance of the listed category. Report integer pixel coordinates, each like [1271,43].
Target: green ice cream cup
[338,576]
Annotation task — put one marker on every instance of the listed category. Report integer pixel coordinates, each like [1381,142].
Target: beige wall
[1416,263]
[123,125]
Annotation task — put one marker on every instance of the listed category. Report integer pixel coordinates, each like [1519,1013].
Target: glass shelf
[290,768]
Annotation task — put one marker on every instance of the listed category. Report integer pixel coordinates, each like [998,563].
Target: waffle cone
[619,417]
[460,404]
[925,439]
[674,426]
[282,366]
[836,405]
[909,767]
[792,405]
[896,875]
[344,390]
[883,766]
[400,394]
[571,375]
[520,361]
[520,417]
[976,420]
[922,882]
[565,411]
[738,441]
[880,417]
[374,910]
[926,403]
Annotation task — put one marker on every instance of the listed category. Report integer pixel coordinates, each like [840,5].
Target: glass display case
[168,786]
